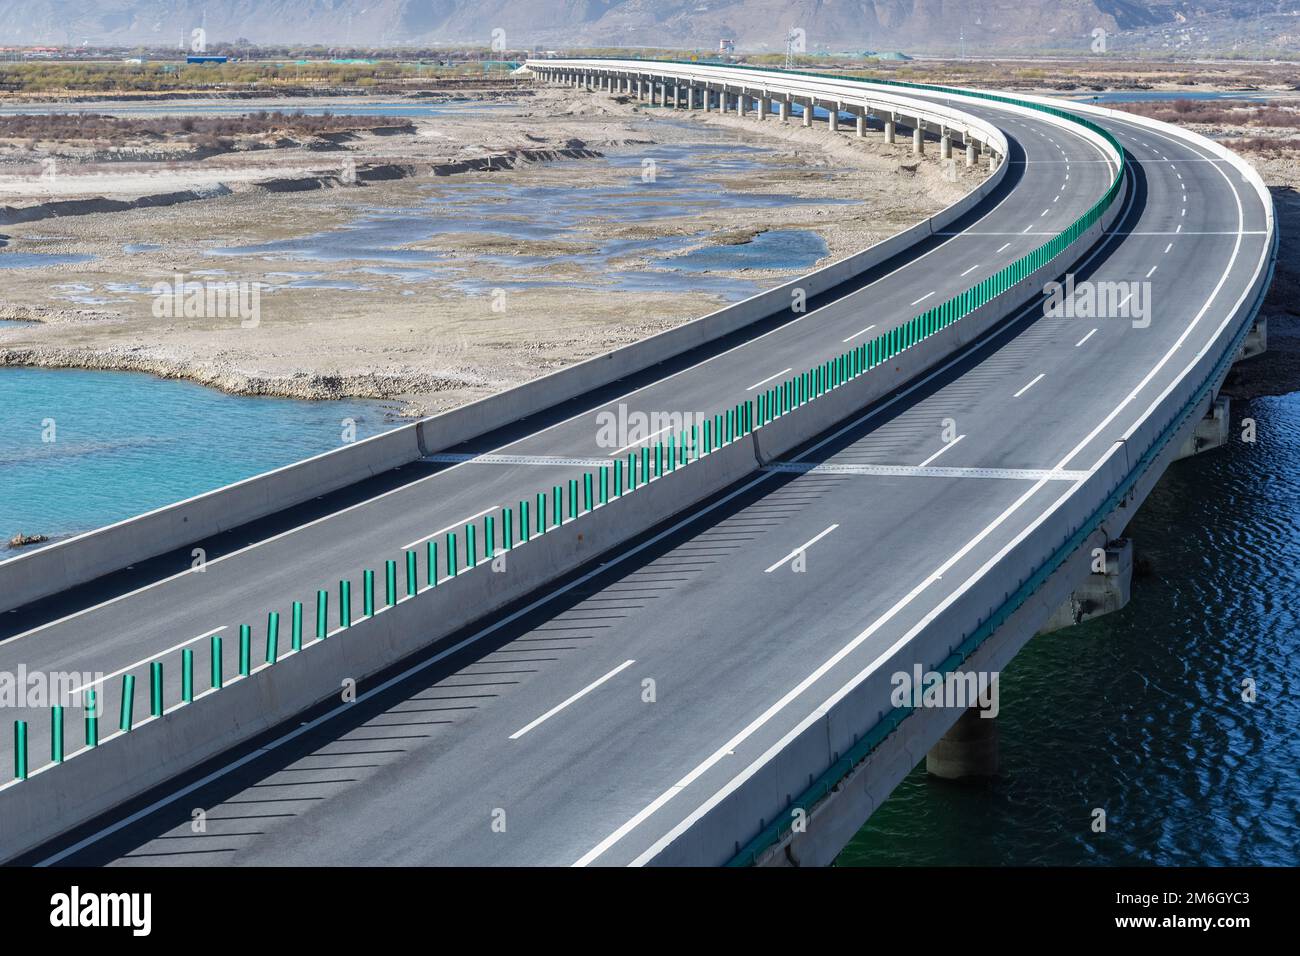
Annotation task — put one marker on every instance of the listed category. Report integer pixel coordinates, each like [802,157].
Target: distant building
[726,46]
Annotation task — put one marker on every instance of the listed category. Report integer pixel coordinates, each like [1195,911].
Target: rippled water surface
[1140,712]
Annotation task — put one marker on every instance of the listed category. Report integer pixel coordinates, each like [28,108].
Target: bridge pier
[945,145]
[918,140]
[1256,340]
[807,113]
[1101,592]
[783,111]
[762,107]
[861,126]
[833,117]
[1211,431]
[970,153]
[969,750]
[889,130]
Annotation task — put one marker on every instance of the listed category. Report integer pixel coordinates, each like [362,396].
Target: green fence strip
[56,733]
[451,554]
[272,637]
[295,626]
[471,547]
[245,649]
[345,603]
[91,702]
[368,592]
[127,711]
[322,613]
[489,537]
[187,675]
[214,650]
[412,573]
[20,750]
[155,689]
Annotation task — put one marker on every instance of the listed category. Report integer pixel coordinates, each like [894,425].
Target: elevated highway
[684,694]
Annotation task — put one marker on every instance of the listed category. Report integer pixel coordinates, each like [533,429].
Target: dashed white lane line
[450,527]
[923,298]
[1026,229]
[940,451]
[970,270]
[618,451]
[1004,245]
[1151,272]
[1043,213]
[860,332]
[1085,338]
[1168,247]
[1037,379]
[580,694]
[770,377]
[801,549]
[152,657]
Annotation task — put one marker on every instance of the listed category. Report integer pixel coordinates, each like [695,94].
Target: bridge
[489,637]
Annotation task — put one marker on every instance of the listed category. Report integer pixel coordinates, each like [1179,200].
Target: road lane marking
[924,297]
[147,660]
[768,379]
[454,526]
[1085,338]
[1168,247]
[801,549]
[1151,272]
[548,460]
[969,271]
[1004,245]
[861,332]
[1036,380]
[620,451]
[582,693]
[941,451]
[918,471]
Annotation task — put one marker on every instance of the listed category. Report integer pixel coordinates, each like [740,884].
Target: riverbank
[433,290]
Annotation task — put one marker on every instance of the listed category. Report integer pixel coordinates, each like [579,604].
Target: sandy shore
[466,328]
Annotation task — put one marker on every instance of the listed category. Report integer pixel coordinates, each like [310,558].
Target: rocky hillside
[755,25]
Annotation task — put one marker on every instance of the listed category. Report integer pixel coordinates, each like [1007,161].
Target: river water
[1140,713]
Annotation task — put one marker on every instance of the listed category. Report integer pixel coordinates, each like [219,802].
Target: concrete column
[993,159]
[783,111]
[945,146]
[918,141]
[889,131]
[1211,431]
[762,107]
[677,97]
[970,154]
[968,750]
[706,100]
[862,126]
[833,118]
[807,113]
[1103,591]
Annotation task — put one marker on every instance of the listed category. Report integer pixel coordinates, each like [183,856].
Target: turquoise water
[1140,712]
[125,443]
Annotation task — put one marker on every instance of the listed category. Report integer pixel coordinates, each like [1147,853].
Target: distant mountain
[754,25]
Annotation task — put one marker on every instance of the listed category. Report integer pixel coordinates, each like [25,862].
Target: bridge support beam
[741,104]
[861,126]
[945,145]
[1102,592]
[783,111]
[1211,431]
[762,107]
[969,750]
[1256,340]
[833,117]
[970,153]
[807,113]
[889,130]
[918,140]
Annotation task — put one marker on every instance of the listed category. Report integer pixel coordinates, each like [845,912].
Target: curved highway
[600,721]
